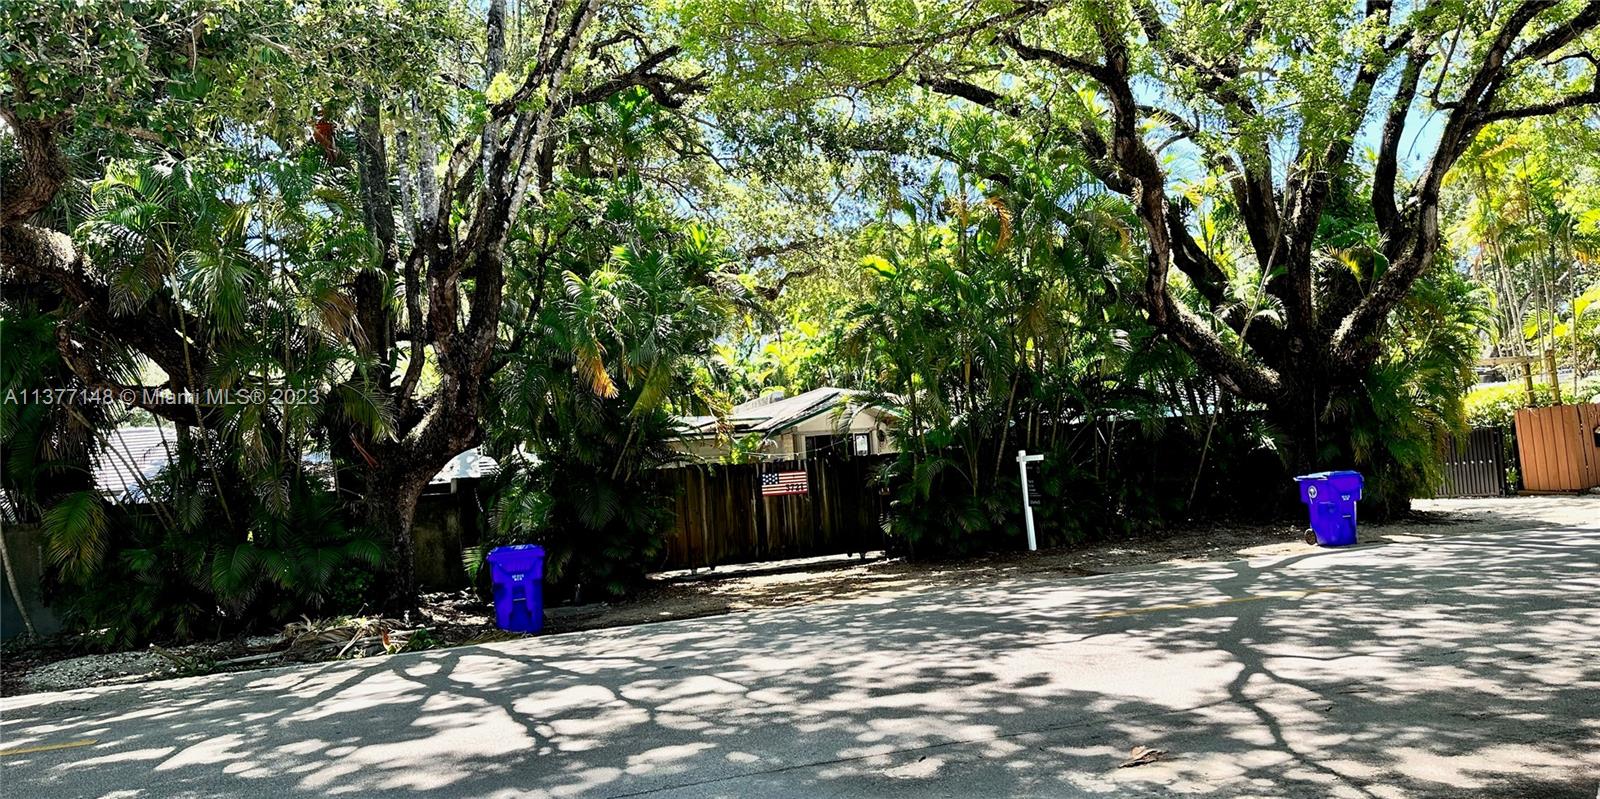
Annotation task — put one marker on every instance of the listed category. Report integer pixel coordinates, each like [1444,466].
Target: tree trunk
[388,508]
[1318,435]
[1297,417]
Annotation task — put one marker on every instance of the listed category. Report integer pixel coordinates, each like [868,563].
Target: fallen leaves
[1142,755]
[347,637]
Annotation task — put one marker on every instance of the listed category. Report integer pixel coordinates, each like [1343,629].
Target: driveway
[1456,666]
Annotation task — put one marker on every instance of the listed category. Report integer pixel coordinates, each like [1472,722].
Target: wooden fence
[1559,447]
[1475,466]
[721,516]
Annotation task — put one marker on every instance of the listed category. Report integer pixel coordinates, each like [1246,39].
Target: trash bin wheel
[1311,536]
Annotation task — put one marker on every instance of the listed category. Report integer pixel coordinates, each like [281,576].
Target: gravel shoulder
[460,618]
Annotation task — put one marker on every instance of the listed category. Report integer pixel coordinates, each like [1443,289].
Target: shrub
[1101,481]
[593,499]
[185,564]
[1497,406]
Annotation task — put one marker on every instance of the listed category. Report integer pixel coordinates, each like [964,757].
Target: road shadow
[1464,666]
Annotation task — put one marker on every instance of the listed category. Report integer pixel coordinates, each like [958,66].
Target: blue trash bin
[1331,498]
[517,574]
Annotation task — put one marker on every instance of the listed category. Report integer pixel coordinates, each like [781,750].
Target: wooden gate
[721,517]
[1558,447]
[1475,466]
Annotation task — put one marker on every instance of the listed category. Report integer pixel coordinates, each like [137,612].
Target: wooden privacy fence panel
[721,517]
[1556,447]
[1475,466]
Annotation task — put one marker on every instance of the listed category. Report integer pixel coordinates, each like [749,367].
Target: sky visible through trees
[1275,235]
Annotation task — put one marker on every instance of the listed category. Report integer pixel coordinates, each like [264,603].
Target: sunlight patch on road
[1214,602]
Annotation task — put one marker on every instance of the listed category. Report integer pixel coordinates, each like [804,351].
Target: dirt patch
[461,618]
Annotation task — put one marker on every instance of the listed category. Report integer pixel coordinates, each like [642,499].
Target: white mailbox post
[1023,459]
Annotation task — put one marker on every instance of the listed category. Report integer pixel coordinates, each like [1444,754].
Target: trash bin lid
[1346,481]
[1329,475]
[1342,484]
[516,555]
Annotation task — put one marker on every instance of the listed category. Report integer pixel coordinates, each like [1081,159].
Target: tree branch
[1561,35]
[44,170]
[1216,81]
[1125,164]
[1591,97]
[667,90]
[1387,169]
[1099,72]
[971,92]
[1192,260]
[1353,339]
[377,205]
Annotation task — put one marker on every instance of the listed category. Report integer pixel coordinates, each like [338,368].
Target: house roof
[135,454]
[769,414]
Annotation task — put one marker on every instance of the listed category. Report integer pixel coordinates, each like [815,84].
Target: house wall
[700,449]
[864,422]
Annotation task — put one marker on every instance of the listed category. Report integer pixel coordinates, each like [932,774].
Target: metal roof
[135,454]
[769,415]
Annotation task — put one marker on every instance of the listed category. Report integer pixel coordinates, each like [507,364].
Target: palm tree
[617,340]
[254,262]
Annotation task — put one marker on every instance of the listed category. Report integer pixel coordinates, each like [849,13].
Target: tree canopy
[414,227]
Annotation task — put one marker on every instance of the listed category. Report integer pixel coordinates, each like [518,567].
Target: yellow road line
[1213,603]
[28,750]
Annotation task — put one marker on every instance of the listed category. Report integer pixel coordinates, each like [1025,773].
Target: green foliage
[75,531]
[819,213]
[992,323]
[1414,398]
[1250,110]
[45,445]
[236,533]
[420,640]
[163,71]
[1579,331]
[626,307]
[227,212]
[602,527]
[1588,390]
[1526,208]
[1497,406]
[185,561]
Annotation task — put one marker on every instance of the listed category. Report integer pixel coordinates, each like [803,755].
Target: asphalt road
[1466,666]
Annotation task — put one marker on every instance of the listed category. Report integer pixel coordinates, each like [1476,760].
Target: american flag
[778,484]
